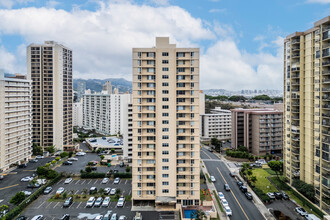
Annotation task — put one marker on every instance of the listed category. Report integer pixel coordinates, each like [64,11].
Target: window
[181,70]
[165,107]
[180,54]
[139,77]
[164,61]
[180,84]
[165,160]
[150,70]
[165,91]
[165,76]
[149,77]
[165,183]
[192,69]
[165,168]
[165,175]
[165,54]
[165,84]
[165,137]
[165,99]
[165,122]
[165,129]
[165,144]
[152,108]
[180,77]
[165,191]
[192,85]
[150,54]
[150,62]
[165,152]
[165,69]
[139,54]
[165,114]
[192,54]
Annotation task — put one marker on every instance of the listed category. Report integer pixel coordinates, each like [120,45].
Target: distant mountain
[96,84]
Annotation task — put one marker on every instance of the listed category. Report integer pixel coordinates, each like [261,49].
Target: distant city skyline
[241,42]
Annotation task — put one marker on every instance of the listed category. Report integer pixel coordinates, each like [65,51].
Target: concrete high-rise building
[259,130]
[216,124]
[77,114]
[128,134]
[15,121]
[307,109]
[166,125]
[49,66]
[81,88]
[107,87]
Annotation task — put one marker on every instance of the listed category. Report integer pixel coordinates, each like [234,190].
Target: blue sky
[240,41]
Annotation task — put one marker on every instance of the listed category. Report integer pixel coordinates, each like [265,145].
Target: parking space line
[76,192]
[89,182]
[95,181]
[71,204]
[59,182]
[130,192]
[77,182]
[125,182]
[79,204]
[83,182]
[53,218]
[41,204]
[49,204]
[56,205]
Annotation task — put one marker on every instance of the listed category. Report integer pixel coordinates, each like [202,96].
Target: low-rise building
[260,130]
[216,124]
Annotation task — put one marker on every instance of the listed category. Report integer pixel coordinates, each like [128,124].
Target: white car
[80,154]
[98,202]
[113,191]
[27,179]
[106,202]
[212,178]
[117,180]
[105,180]
[120,202]
[114,216]
[60,190]
[27,193]
[122,217]
[301,211]
[38,217]
[73,159]
[99,217]
[90,202]
[224,202]
[271,195]
[228,211]
[39,157]
[68,180]
[221,196]
[107,190]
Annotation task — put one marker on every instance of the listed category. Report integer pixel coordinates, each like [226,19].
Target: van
[311,217]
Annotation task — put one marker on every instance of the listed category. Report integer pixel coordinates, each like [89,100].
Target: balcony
[326,81]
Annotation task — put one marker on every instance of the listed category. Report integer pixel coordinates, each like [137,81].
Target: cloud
[159,2]
[11,3]
[319,1]
[217,10]
[52,4]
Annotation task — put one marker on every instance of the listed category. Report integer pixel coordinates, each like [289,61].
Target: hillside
[96,84]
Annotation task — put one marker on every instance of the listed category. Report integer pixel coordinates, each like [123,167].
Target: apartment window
[165,99]
[192,85]
[151,85]
[165,152]
[165,69]
[139,85]
[150,70]
[180,54]
[150,62]
[139,77]
[180,77]
[181,70]
[165,160]
[139,185]
[165,83]
[165,183]
[165,114]
[180,84]
[165,54]
[165,76]
[150,54]
[192,54]
[165,122]
[164,61]
[165,175]
[165,167]
[149,77]
[165,91]
[165,137]
[165,191]
[165,106]
[192,69]
[165,144]
[139,54]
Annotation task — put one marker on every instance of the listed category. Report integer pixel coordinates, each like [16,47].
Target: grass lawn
[262,182]
[270,171]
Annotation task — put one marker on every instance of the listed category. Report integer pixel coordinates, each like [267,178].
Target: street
[241,207]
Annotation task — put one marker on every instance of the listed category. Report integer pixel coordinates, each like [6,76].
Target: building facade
[49,66]
[81,88]
[106,113]
[15,121]
[217,124]
[307,109]
[166,125]
[259,130]
[77,114]
[128,134]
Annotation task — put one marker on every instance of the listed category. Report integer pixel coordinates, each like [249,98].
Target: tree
[71,191]
[37,150]
[128,169]
[88,169]
[64,195]
[276,166]
[3,208]
[102,157]
[236,98]
[118,191]
[70,154]
[18,198]
[112,151]
[51,149]
[64,154]
[42,171]
[253,179]
[261,97]
[198,215]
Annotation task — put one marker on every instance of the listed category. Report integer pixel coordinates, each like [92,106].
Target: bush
[304,188]
[64,154]
[42,171]
[57,158]
[92,175]
[90,163]
[128,169]
[308,204]
[263,196]
[70,154]
[51,174]
[88,169]
[122,175]
[47,164]
[54,161]
[18,198]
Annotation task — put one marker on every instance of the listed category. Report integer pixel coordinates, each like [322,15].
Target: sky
[241,42]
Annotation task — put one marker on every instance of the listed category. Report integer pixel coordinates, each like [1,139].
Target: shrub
[64,154]
[47,164]
[54,161]
[17,198]
[51,174]
[42,171]
[88,169]
[122,175]
[304,188]
[57,158]
[263,196]
[128,169]
[64,195]
[92,175]
[70,154]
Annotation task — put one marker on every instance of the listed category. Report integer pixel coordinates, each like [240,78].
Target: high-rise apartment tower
[166,125]
[307,109]
[50,69]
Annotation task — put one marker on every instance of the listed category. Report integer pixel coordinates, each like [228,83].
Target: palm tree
[198,215]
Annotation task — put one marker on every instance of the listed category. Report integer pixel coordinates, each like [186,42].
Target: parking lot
[78,210]
[287,207]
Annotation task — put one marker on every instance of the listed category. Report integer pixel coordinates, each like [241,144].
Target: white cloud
[52,4]
[217,10]
[159,2]
[319,1]
[11,3]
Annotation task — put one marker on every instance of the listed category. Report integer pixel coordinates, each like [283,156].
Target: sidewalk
[211,188]
[256,200]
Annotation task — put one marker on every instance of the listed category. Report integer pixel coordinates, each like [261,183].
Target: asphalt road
[241,207]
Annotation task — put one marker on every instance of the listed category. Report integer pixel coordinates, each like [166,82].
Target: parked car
[23,165]
[107,216]
[285,196]
[224,202]
[239,183]
[248,195]
[107,191]
[2,177]
[40,157]
[311,217]
[65,217]
[73,159]
[31,185]
[98,202]
[105,180]
[113,191]
[212,178]
[80,154]
[48,190]
[93,190]
[94,168]
[27,179]
[278,195]
[120,202]
[117,180]
[114,216]
[22,217]
[106,202]
[210,150]
[38,217]
[271,195]
[68,202]
[228,211]
[221,196]
[68,180]
[122,217]
[243,188]
[90,202]
[232,174]
[121,164]
[115,171]
[226,187]
[60,190]
[67,163]
[98,217]
[301,211]
[34,161]
[27,193]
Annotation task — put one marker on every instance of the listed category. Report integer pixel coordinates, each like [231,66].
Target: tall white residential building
[77,114]
[49,66]
[106,113]
[15,120]
[217,124]
[166,162]
[128,134]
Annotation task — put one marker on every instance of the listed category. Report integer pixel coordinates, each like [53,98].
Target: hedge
[263,196]
[123,175]
[92,175]
[18,209]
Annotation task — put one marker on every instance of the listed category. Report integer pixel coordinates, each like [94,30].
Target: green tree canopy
[236,98]
[18,198]
[276,166]
[51,149]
